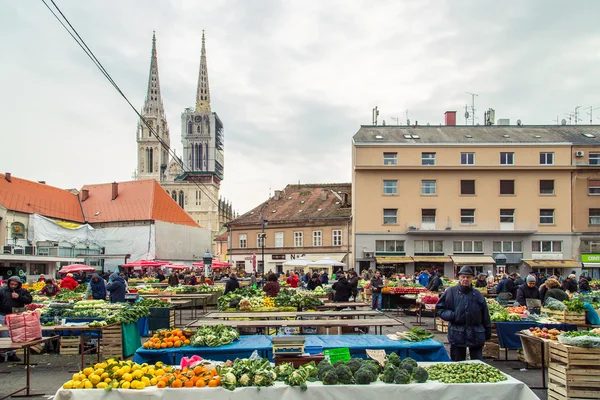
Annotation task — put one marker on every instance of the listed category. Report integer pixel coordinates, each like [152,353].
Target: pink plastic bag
[24,327]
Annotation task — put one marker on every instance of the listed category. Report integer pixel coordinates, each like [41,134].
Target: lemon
[99,371]
[159,364]
[127,377]
[140,385]
[137,374]
[68,385]
[82,377]
[135,367]
[145,369]
[115,368]
[75,377]
[159,372]
[119,372]
[104,375]
[102,385]
[125,385]
[94,378]
[126,369]
[107,380]
[88,371]
[88,385]
[134,384]
[153,381]
[146,380]
[80,385]
[144,364]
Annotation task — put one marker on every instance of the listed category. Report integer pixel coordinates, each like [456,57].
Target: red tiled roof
[222,237]
[37,198]
[136,201]
[302,202]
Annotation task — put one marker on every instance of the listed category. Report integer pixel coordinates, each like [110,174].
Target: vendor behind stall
[51,289]
[528,291]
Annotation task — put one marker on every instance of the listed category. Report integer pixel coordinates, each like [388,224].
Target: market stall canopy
[473,260]
[69,269]
[177,266]
[327,262]
[394,260]
[216,264]
[145,264]
[298,262]
[552,263]
[433,259]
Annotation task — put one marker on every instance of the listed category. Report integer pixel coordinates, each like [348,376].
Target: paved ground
[52,370]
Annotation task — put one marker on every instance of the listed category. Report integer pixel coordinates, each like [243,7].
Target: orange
[176,383]
[200,383]
[163,345]
[186,341]
[213,383]
[189,384]
[198,370]
[157,346]
[169,344]
[178,343]
[218,379]
[161,384]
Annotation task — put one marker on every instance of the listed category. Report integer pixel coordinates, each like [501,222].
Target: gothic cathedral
[193,180]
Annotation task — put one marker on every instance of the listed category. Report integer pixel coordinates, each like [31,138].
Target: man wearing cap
[528,291]
[467,313]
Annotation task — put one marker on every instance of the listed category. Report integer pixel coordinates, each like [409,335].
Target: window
[546,246]
[317,238]
[546,158]
[390,187]
[467,187]
[507,216]
[429,246]
[546,186]
[594,187]
[508,246]
[467,158]
[428,187]
[241,265]
[243,241]
[389,246]
[198,198]
[337,237]
[428,215]
[467,216]
[427,158]
[37,269]
[181,199]
[390,216]
[507,158]
[298,239]
[174,195]
[594,216]
[468,246]
[594,158]
[507,187]
[390,158]
[260,240]
[278,239]
[546,216]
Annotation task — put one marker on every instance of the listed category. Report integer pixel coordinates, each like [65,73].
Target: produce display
[545,333]
[517,309]
[575,305]
[167,338]
[590,338]
[97,304]
[499,313]
[403,290]
[430,299]
[214,336]
[416,334]
[154,303]
[196,289]
[322,291]
[128,315]
[34,287]
[249,299]
[464,373]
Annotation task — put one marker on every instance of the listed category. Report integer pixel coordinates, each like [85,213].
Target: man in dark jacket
[117,288]
[518,280]
[314,282]
[12,296]
[354,283]
[232,283]
[481,281]
[343,288]
[376,286]
[324,278]
[435,283]
[467,313]
[528,291]
[570,284]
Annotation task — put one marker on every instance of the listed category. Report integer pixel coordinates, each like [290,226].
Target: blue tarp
[508,339]
[143,326]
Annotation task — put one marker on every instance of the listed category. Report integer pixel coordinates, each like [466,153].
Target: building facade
[496,198]
[194,179]
[311,221]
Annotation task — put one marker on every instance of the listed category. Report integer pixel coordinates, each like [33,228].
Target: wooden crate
[572,356]
[112,341]
[441,325]
[69,345]
[569,317]
[571,393]
[574,376]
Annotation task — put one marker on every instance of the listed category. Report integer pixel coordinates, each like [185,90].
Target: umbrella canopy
[327,262]
[216,264]
[298,262]
[69,269]
[145,264]
[177,266]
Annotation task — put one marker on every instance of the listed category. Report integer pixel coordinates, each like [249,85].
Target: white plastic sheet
[45,229]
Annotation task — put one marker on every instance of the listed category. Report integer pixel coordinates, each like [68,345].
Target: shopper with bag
[12,296]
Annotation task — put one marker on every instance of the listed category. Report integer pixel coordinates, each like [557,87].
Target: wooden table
[185,296]
[179,304]
[294,314]
[325,323]
[344,304]
[8,345]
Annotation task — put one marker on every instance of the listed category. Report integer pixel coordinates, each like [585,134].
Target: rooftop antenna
[397,119]
[576,114]
[375,115]
[556,120]
[590,113]
[473,105]
[467,115]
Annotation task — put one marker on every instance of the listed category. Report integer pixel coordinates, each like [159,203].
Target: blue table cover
[238,349]
[508,339]
[143,326]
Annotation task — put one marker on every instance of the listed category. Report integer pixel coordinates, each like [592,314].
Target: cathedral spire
[153,104]
[203,91]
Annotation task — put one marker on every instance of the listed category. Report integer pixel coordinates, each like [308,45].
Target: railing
[479,226]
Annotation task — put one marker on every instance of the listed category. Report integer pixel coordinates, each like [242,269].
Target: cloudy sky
[291,80]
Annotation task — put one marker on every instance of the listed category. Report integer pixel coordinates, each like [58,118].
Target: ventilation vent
[506,136]
[589,135]
[379,137]
[469,136]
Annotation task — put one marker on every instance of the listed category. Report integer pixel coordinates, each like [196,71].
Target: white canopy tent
[327,262]
[298,262]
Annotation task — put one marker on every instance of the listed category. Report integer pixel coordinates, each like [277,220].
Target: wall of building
[181,243]
[8,218]
[583,201]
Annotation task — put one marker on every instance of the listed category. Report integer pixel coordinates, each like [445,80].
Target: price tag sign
[377,355]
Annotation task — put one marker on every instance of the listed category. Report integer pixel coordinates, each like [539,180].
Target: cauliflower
[311,369]
[229,381]
[264,377]
[420,375]
[245,380]
[402,377]
[364,376]
[330,377]
[297,378]
[284,369]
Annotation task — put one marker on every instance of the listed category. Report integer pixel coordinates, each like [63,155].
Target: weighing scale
[288,345]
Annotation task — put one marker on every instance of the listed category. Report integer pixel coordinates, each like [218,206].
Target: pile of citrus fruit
[200,376]
[168,338]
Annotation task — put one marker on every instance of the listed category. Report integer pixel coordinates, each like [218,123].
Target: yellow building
[311,221]
[497,198]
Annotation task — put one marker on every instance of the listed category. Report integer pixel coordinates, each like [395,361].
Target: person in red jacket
[293,280]
[68,282]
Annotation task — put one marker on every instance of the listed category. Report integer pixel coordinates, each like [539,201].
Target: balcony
[481,228]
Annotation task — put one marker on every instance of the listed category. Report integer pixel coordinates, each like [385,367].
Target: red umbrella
[69,269]
[178,266]
[145,264]
[216,264]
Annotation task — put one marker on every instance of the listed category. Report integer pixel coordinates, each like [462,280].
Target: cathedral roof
[29,197]
[143,200]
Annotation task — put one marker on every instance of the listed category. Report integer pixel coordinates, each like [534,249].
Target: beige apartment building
[311,221]
[496,198]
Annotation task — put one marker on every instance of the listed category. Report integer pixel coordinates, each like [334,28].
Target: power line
[99,65]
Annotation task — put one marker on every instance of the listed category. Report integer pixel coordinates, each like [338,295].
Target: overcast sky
[292,81]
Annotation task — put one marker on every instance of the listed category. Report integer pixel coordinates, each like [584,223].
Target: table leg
[82,346]
[544,386]
[98,343]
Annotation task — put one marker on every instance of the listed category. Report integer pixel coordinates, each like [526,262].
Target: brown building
[497,198]
[312,221]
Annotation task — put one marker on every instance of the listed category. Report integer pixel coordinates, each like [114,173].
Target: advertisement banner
[590,258]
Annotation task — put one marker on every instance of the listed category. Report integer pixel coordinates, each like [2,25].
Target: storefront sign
[294,256]
[590,258]
[547,256]
[278,257]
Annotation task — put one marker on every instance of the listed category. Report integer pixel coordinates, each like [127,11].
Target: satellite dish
[563,121]
[467,115]
[519,122]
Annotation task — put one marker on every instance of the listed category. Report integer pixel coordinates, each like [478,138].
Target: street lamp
[207,258]
[263,237]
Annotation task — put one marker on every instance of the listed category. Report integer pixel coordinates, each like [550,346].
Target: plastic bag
[580,341]
[24,327]
[554,304]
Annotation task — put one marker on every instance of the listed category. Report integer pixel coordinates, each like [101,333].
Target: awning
[591,265]
[473,260]
[552,263]
[38,259]
[433,259]
[394,260]
[339,257]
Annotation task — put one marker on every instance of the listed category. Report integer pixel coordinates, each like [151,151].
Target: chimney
[42,182]
[323,195]
[345,203]
[7,176]
[450,118]
[85,194]
[115,190]
[277,195]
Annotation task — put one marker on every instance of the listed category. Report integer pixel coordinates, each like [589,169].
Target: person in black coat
[117,288]
[528,291]
[481,281]
[467,313]
[314,282]
[232,283]
[570,284]
[435,283]
[343,288]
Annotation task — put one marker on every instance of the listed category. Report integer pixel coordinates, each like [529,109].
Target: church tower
[152,153]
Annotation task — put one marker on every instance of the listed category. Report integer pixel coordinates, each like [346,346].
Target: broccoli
[323,370]
[338,363]
[407,367]
[374,364]
[410,362]
[420,375]
[364,376]
[354,364]
[388,373]
[394,359]
[322,364]
[402,376]
[370,367]
[330,377]
[344,374]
